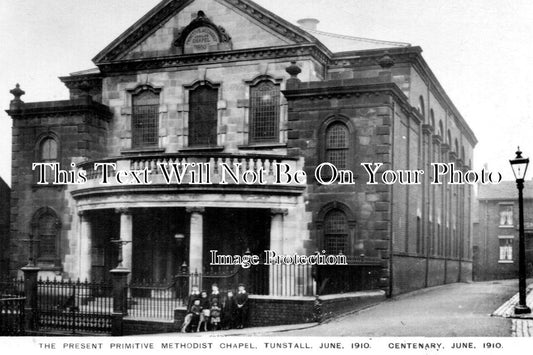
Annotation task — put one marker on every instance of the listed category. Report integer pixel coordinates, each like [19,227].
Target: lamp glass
[519,166]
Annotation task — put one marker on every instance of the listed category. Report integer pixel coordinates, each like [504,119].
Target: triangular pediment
[180,27]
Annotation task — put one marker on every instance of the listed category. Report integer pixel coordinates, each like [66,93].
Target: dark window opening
[203,116]
[336,232]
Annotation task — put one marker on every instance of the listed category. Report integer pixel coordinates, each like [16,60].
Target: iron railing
[11,286]
[154,299]
[12,316]
[74,306]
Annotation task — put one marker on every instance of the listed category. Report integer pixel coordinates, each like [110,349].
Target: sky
[480,50]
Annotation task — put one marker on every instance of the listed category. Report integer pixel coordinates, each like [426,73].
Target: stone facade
[386,105]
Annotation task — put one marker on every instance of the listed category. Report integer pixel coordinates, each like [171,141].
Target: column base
[521,309]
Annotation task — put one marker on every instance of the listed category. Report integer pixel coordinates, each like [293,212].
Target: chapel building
[227,84]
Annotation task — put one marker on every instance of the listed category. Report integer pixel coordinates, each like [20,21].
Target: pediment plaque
[202,35]
[201,39]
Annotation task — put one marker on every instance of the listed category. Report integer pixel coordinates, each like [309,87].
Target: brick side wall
[265,311]
[487,242]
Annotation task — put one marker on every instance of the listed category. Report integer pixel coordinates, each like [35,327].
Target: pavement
[521,325]
[452,310]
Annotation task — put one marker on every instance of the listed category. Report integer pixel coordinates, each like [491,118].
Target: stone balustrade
[194,169]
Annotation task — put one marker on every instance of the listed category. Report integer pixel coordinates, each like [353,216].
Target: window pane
[336,232]
[47,236]
[506,215]
[145,119]
[337,141]
[203,116]
[337,136]
[506,249]
[49,149]
[264,112]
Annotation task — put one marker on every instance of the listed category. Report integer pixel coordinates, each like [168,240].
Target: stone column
[85,247]
[276,273]
[126,235]
[196,239]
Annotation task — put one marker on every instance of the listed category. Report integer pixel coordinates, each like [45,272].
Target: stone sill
[257,146]
[216,148]
[141,151]
[37,186]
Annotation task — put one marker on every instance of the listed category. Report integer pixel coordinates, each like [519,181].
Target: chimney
[308,23]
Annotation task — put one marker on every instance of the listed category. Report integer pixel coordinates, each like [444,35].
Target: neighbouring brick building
[496,238]
[4,226]
[227,81]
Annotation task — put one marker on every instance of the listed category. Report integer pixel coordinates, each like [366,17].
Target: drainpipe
[391,202]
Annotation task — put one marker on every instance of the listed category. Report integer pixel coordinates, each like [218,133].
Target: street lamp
[519,166]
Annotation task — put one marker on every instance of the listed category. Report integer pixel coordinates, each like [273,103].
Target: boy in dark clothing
[206,309]
[242,307]
[196,312]
[228,311]
[195,295]
[215,293]
[215,314]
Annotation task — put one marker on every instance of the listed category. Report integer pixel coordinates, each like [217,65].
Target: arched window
[48,150]
[145,119]
[337,145]
[441,129]
[203,116]
[264,112]
[335,232]
[421,106]
[46,228]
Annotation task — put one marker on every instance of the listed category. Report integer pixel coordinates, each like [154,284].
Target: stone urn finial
[17,92]
[386,62]
[293,71]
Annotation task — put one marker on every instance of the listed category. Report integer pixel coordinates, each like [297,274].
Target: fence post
[120,304]
[30,292]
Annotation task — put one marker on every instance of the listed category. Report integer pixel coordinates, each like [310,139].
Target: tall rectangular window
[145,120]
[336,232]
[264,112]
[203,116]
[506,248]
[337,143]
[506,215]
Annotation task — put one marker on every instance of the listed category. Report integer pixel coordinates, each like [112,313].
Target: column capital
[123,210]
[195,209]
[282,211]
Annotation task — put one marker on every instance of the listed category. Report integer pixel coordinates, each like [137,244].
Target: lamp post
[519,166]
